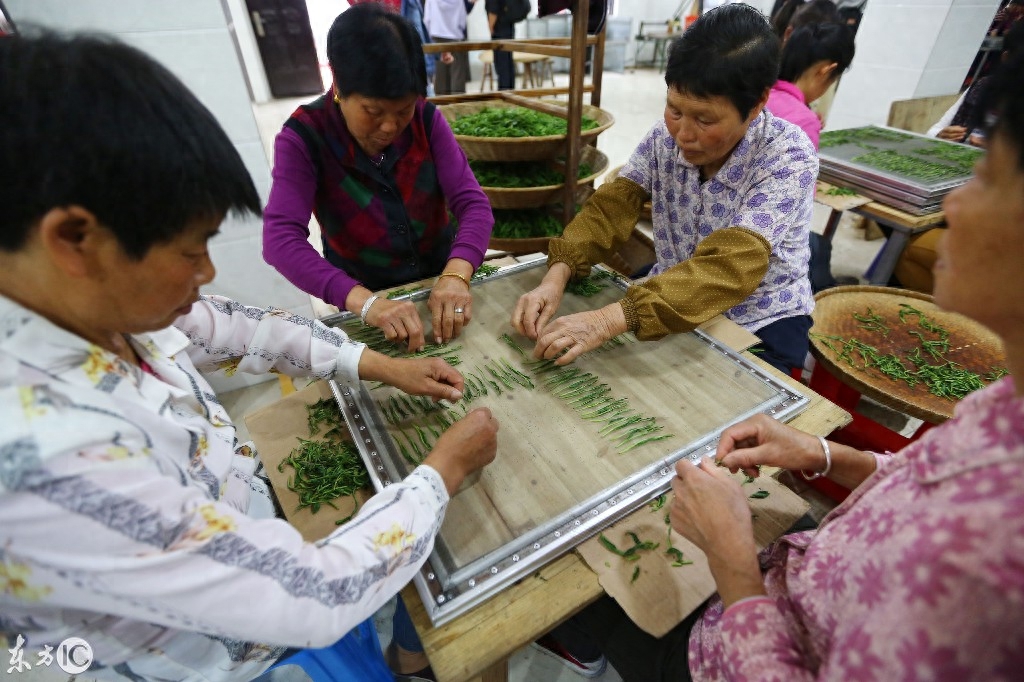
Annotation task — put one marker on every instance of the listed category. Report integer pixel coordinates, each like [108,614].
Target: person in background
[446,21]
[919,574]
[964,121]
[123,498]
[795,13]
[380,169]
[501,27]
[732,189]
[813,58]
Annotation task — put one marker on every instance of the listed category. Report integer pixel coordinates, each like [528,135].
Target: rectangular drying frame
[448,593]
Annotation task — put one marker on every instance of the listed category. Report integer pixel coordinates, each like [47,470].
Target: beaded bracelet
[366,307]
[454,274]
[828,462]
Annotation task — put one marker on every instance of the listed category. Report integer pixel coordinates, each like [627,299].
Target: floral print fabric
[122,503]
[918,575]
[766,186]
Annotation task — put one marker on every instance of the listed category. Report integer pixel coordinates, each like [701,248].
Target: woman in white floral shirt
[122,500]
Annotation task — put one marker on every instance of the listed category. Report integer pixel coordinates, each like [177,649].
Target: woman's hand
[470,444]
[535,308]
[711,511]
[763,440]
[576,334]
[954,133]
[451,308]
[432,377]
[399,321]
[447,58]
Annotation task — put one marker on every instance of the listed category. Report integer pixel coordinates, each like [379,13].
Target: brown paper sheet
[838,202]
[275,429]
[728,332]
[663,595]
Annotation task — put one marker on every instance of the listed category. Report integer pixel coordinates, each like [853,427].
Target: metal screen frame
[484,577]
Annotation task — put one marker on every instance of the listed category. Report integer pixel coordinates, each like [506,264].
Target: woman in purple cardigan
[380,169]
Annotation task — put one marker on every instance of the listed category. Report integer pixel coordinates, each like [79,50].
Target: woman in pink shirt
[919,574]
[812,59]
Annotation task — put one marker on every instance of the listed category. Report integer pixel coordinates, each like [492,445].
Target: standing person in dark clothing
[501,27]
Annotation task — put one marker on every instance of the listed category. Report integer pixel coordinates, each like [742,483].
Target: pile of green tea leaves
[909,166]
[525,223]
[325,469]
[861,137]
[521,174]
[514,122]
[924,364]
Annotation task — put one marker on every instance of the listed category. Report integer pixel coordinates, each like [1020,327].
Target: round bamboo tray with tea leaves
[519,148]
[533,197]
[512,231]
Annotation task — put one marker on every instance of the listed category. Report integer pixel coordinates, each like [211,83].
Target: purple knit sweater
[286,218]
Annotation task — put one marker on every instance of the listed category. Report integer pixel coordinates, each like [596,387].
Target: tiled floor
[636,99]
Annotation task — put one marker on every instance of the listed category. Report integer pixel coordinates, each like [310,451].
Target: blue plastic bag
[356,657]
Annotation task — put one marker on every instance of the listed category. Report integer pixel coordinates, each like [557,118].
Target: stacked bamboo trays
[520,148]
[550,148]
[531,197]
[846,160]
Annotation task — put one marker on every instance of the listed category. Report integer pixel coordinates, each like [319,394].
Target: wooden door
[286,46]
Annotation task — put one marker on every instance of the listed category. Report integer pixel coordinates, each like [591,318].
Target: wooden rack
[574,49]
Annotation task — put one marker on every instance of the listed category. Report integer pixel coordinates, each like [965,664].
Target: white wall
[907,49]
[192,38]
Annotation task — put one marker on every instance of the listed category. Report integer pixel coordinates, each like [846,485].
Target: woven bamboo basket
[532,197]
[645,211]
[520,148]
[972,346]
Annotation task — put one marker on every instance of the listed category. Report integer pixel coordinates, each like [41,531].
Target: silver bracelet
[828,462]
[366,307]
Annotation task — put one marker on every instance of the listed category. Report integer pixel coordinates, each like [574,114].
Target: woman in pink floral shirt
[919,574]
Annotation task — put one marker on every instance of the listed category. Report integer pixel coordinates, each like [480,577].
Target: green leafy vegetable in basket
[521,174]
[525,224]
[514,122]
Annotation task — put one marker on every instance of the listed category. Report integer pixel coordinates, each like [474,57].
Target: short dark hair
[729,52]
[815,12]
[376,53]
[809,45]
[89,121]
[796,13]
[1005,98]
[1013,39]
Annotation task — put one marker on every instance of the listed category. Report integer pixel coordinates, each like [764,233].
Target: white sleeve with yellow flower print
[115,521]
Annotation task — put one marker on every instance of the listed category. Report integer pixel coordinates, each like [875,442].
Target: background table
[903,225]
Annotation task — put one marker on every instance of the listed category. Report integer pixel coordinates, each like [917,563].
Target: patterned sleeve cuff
[629,312]
[562,251]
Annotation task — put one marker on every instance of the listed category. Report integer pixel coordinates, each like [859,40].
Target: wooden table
[476,645]
[532,77]
[903,225]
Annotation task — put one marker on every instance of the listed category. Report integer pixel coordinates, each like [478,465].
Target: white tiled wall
[907,49]
[193,40]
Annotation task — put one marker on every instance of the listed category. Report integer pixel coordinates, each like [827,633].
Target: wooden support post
[577,72]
